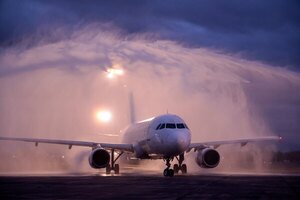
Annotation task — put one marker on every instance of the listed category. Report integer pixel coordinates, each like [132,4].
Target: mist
[53,90]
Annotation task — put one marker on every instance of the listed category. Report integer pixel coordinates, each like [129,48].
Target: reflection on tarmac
[127,172]
[144,184]
[138,170]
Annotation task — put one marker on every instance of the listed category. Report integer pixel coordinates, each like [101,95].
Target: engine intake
[99,158]
[208,158]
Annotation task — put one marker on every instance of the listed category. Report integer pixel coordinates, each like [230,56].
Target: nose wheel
[168,172]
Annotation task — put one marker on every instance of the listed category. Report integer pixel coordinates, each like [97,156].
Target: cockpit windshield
[172,126]
[180,126]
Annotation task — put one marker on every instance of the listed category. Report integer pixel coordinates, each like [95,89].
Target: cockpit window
[162,126]
[158,126]
[172,126]
[180,126]
[186,126]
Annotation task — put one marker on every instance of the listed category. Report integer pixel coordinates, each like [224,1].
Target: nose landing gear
[168,172]
[177,167]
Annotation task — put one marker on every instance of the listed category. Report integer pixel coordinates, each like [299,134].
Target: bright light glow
[112,72]
[104,116]
[110,75]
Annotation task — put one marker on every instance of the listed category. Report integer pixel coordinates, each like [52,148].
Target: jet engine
[208,158]
[99,158]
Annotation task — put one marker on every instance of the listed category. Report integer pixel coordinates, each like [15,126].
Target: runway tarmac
[150,186]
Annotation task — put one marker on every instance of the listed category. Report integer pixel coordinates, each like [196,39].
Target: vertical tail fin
[132,108]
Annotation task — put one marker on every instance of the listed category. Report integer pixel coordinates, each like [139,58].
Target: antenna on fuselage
[131,108]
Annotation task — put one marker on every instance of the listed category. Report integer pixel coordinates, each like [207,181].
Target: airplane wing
[243,142]
[70,143]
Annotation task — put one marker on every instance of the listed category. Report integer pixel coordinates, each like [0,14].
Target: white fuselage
[159,137]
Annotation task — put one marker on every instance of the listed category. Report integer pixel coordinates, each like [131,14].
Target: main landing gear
[112,166]
[180,167]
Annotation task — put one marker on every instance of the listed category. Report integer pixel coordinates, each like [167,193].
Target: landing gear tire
[180,167]
[112,166]
[166,172]
[176,169]
[117,169]
[108,169]
[184,169]
[169,172]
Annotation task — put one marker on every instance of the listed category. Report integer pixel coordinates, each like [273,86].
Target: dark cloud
[266,31]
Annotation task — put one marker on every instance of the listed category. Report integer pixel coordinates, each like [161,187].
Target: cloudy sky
[267,31]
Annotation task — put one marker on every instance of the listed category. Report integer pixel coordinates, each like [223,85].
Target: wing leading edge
[243,142]
[70,143]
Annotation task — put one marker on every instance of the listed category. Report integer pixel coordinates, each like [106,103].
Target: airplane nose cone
[179,142]
[182,141]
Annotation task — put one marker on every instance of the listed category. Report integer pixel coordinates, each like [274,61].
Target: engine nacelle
[208,158]
[99,158]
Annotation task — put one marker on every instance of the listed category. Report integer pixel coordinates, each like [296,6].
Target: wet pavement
[153,186]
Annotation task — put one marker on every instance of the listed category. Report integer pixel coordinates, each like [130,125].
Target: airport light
[104,116]
[113,72]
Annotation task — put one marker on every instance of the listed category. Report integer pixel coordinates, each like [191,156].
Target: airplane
[164,137]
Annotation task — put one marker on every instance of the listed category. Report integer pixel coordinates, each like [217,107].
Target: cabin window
[180,126]
[162,126]
[172,126]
